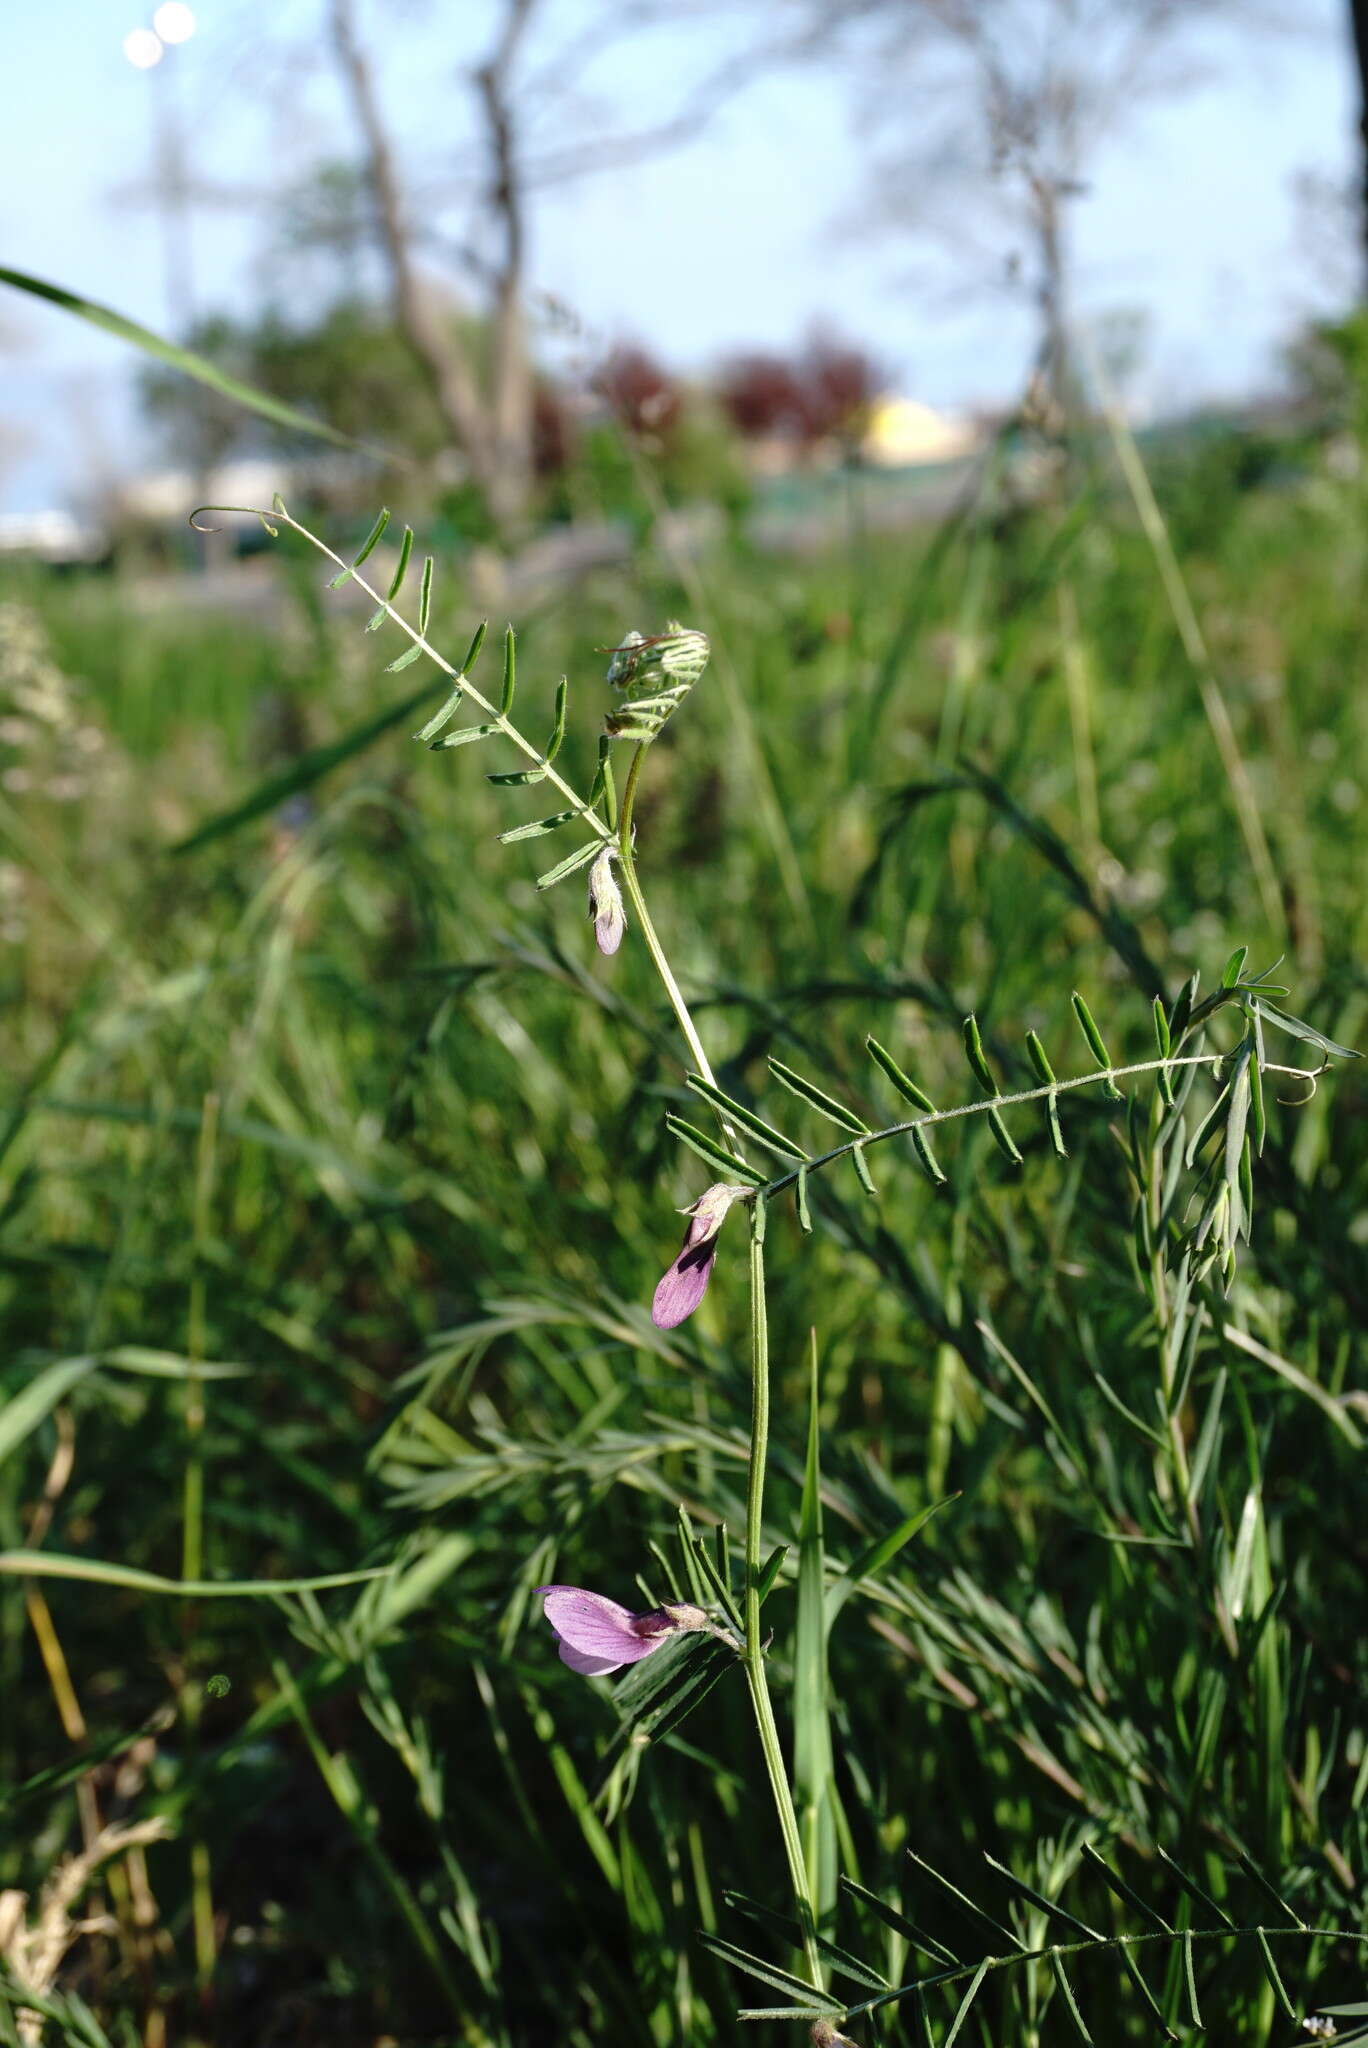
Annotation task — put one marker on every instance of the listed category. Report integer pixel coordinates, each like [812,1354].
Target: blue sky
[745,238]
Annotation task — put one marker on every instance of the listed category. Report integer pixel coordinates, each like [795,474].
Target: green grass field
[334,1184]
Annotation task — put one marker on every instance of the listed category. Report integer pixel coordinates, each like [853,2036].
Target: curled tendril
[1312,1077]
[248,512]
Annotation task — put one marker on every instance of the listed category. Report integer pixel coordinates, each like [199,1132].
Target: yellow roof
[903,430]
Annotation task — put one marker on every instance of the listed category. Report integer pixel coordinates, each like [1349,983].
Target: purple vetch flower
[597,1636]
[605,902]
[686,1282]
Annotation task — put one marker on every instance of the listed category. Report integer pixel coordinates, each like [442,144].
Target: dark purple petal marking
[684,1284]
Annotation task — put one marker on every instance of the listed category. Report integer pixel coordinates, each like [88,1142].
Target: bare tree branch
[1358,13]
[1004,100]
[512,374]
[705,101]
[446,367]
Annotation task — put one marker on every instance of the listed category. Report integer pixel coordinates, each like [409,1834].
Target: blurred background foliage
[337,1103]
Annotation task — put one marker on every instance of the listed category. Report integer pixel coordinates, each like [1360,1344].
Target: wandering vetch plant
[1190,1123]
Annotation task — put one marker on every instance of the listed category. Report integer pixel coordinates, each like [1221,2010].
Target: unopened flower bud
[663,669]
[605,903]
[681,1616]
[685,1281]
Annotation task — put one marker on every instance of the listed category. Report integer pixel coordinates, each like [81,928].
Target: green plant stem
[627,862]
[497,718]
[192,1520]
[1195,647]
[341,1781]
[1020,1095]
[1095,1945]
[754,1657]
[192,1536]
[740,717]
[1159,1299]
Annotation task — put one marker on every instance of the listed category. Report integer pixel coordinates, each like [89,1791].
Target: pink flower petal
[684,1284]
[605,903]
[598,1628]
[588,1666]
[608,930]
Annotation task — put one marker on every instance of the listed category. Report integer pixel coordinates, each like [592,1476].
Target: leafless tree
[986,115]
[1358,17]
[483,382]
[493,427]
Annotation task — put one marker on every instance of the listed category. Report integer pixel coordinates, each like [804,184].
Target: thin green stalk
[1095,1945]
[192,1533]
[741,718]
[341,1781]
[1009,1101]
[496,717]
[754,1658]
[627,862]
[1159,1299]
[1195,647]
[1078,689]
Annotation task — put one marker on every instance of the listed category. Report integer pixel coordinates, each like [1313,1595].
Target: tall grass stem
[1195,647]
[192,1540]
[755,1654]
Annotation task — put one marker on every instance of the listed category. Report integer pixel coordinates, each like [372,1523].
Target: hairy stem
[754,1652]
[503,725]
[627,862]
[754,1656]
[1095,1945]
[1020,1095]
[192,1542]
